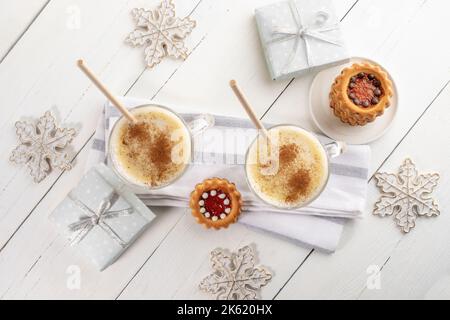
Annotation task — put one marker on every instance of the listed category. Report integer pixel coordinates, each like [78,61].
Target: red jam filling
[215,205]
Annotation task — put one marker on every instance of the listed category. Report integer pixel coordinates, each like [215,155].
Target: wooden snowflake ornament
[406,195]
[235,276]
[160,32]
[41,146]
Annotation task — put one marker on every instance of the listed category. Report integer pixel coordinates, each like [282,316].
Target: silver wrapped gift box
[300,36]
[101,216]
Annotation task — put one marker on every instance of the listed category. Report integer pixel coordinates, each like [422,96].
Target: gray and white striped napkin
[317,226]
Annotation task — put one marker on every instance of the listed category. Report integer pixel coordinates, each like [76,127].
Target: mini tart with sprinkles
[360,94]
[216,203]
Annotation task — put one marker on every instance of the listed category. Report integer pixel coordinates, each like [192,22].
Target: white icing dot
[202,210]
[204,195]
[226,201]
[223,216]
[213,192]
[227,210]
[207,215]
[201,203]
[214,218]
[222,196]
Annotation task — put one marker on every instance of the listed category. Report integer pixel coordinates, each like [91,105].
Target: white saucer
[332,126]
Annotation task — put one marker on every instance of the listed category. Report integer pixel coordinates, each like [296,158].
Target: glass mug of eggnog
[155,151]
[289,168]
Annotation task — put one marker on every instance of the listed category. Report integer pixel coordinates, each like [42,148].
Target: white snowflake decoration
[407,195]
[41,146]
[235,276]
[160,32]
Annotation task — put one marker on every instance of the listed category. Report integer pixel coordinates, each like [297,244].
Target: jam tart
[361,93]
[216,203]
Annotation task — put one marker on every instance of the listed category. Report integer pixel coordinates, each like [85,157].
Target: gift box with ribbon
[101,216]
[300,36]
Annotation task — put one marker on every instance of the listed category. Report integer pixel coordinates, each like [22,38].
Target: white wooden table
[40,41]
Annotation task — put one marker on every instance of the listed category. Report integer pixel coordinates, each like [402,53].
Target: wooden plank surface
[37,87]
[412,266]
[171,258]
[15,19]
[33,260]
[372,240]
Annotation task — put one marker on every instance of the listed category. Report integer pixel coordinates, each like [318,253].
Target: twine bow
[98,218]
[304,32]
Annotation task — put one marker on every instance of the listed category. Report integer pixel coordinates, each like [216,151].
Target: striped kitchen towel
[318,225]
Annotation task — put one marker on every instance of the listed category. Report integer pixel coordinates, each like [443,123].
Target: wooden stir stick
[258,124]
[88,72]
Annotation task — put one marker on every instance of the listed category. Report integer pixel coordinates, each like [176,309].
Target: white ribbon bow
[303,32]
[97,218]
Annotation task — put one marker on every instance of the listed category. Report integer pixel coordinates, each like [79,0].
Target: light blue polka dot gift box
[300,36]
[101,217]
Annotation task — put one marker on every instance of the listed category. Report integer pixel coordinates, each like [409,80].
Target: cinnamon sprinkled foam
[301,169]
[154,151]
